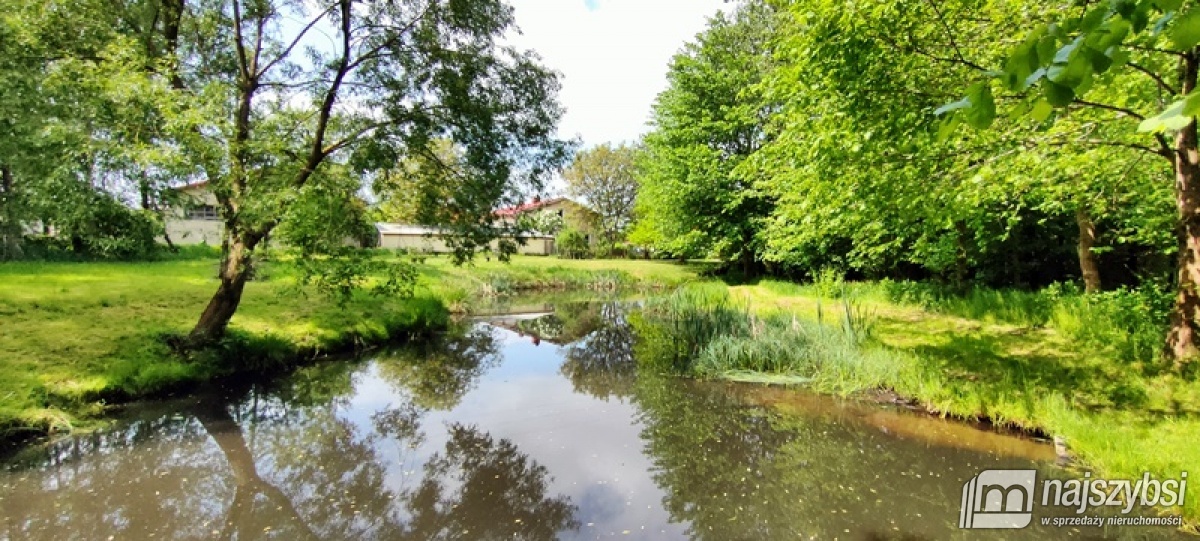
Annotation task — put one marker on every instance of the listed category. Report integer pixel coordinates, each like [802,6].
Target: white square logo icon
[998,499]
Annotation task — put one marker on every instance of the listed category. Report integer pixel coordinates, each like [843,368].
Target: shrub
[829,283]
[1133,322]
[571,244]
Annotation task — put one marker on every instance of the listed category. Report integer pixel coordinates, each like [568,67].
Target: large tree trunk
[1182,338]
[1088,266]
[234,272]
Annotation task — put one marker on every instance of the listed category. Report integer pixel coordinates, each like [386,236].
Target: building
[574,215]
[196,220]
[431,240]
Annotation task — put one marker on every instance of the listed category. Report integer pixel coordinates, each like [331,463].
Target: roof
[199,184]
[532,205]
[407,229]
[411,229]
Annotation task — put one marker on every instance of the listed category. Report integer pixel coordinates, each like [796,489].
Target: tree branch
[237,39]
[1157,50]
[1157,78]
[1125,111]
[950,35]
[316,153]
[1104,143]
[287,51]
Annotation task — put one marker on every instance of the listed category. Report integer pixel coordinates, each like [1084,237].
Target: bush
[829,283]
[1133,322]
[102,228]
[571,244]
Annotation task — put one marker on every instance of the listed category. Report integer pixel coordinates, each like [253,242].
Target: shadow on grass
[985,366]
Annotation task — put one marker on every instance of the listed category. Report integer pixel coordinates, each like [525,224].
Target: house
[574,215]
[431,240]
[196,220]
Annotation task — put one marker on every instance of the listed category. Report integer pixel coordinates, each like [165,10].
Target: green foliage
[692,200]
[546,222]
[1129,323]
[141,96]
[829,283]
[572,244]
[348,269]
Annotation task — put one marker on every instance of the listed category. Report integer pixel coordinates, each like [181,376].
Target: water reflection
[537,428]
[290,462]
[601,364]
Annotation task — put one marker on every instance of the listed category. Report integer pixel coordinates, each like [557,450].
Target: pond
[529,423]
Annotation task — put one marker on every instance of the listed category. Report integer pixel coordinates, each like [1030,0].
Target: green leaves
[1042,110]
[978,108]
[1175,117]
[1185,32]
[982,111]
[1057,95]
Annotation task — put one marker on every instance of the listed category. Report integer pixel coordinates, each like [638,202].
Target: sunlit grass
[74,334]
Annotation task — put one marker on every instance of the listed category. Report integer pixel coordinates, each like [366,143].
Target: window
[203,212]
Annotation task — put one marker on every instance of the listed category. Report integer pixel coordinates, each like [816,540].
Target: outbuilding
[431,240]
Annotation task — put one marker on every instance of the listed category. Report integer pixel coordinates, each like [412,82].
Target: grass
[487,279]
[1072,371]
[78,334]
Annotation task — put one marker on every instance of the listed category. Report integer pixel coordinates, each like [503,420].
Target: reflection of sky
[590,447]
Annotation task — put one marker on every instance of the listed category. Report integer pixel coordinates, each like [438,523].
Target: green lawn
[74,334]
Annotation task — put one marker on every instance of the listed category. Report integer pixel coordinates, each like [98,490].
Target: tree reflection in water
[601,363]
[291,463]
[481,488]
[436,374]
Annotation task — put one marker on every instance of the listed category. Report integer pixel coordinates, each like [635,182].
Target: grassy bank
[485,279]
[1121,414]
[76,336]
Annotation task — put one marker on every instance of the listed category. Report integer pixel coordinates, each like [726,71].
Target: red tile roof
[526,207]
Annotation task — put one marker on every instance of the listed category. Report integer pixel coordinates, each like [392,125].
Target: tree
[711,118]
[603,176]
[271,106]
[1066,66]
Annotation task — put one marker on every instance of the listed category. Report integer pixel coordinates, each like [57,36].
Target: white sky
[613,55]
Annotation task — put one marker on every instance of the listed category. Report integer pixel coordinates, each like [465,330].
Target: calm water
[531,425]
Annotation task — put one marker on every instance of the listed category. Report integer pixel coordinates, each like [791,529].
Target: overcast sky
[613,55]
